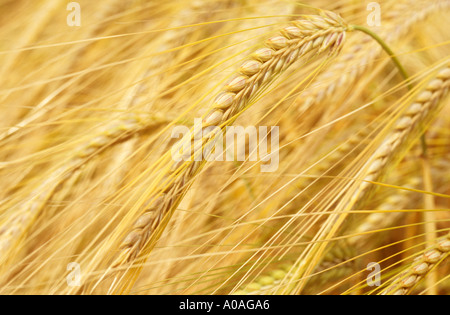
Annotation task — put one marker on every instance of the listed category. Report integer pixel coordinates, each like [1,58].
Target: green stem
[387,49]
[397,63]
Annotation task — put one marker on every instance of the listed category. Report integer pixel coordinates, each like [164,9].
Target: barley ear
[311,34]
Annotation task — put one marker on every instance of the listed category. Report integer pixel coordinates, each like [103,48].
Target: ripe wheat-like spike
[319,33]
[418,270]
[406,126]
[417,112]
[12,230]
[357,59]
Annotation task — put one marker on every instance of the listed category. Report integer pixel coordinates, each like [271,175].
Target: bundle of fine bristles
[344,188]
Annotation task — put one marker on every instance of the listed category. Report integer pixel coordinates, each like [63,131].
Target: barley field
[117,175]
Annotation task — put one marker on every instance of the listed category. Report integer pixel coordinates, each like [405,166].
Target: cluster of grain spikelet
[325,32]
[87,174]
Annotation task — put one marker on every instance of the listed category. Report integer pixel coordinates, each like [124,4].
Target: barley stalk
[355,60]
[319,33]
[419,111]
